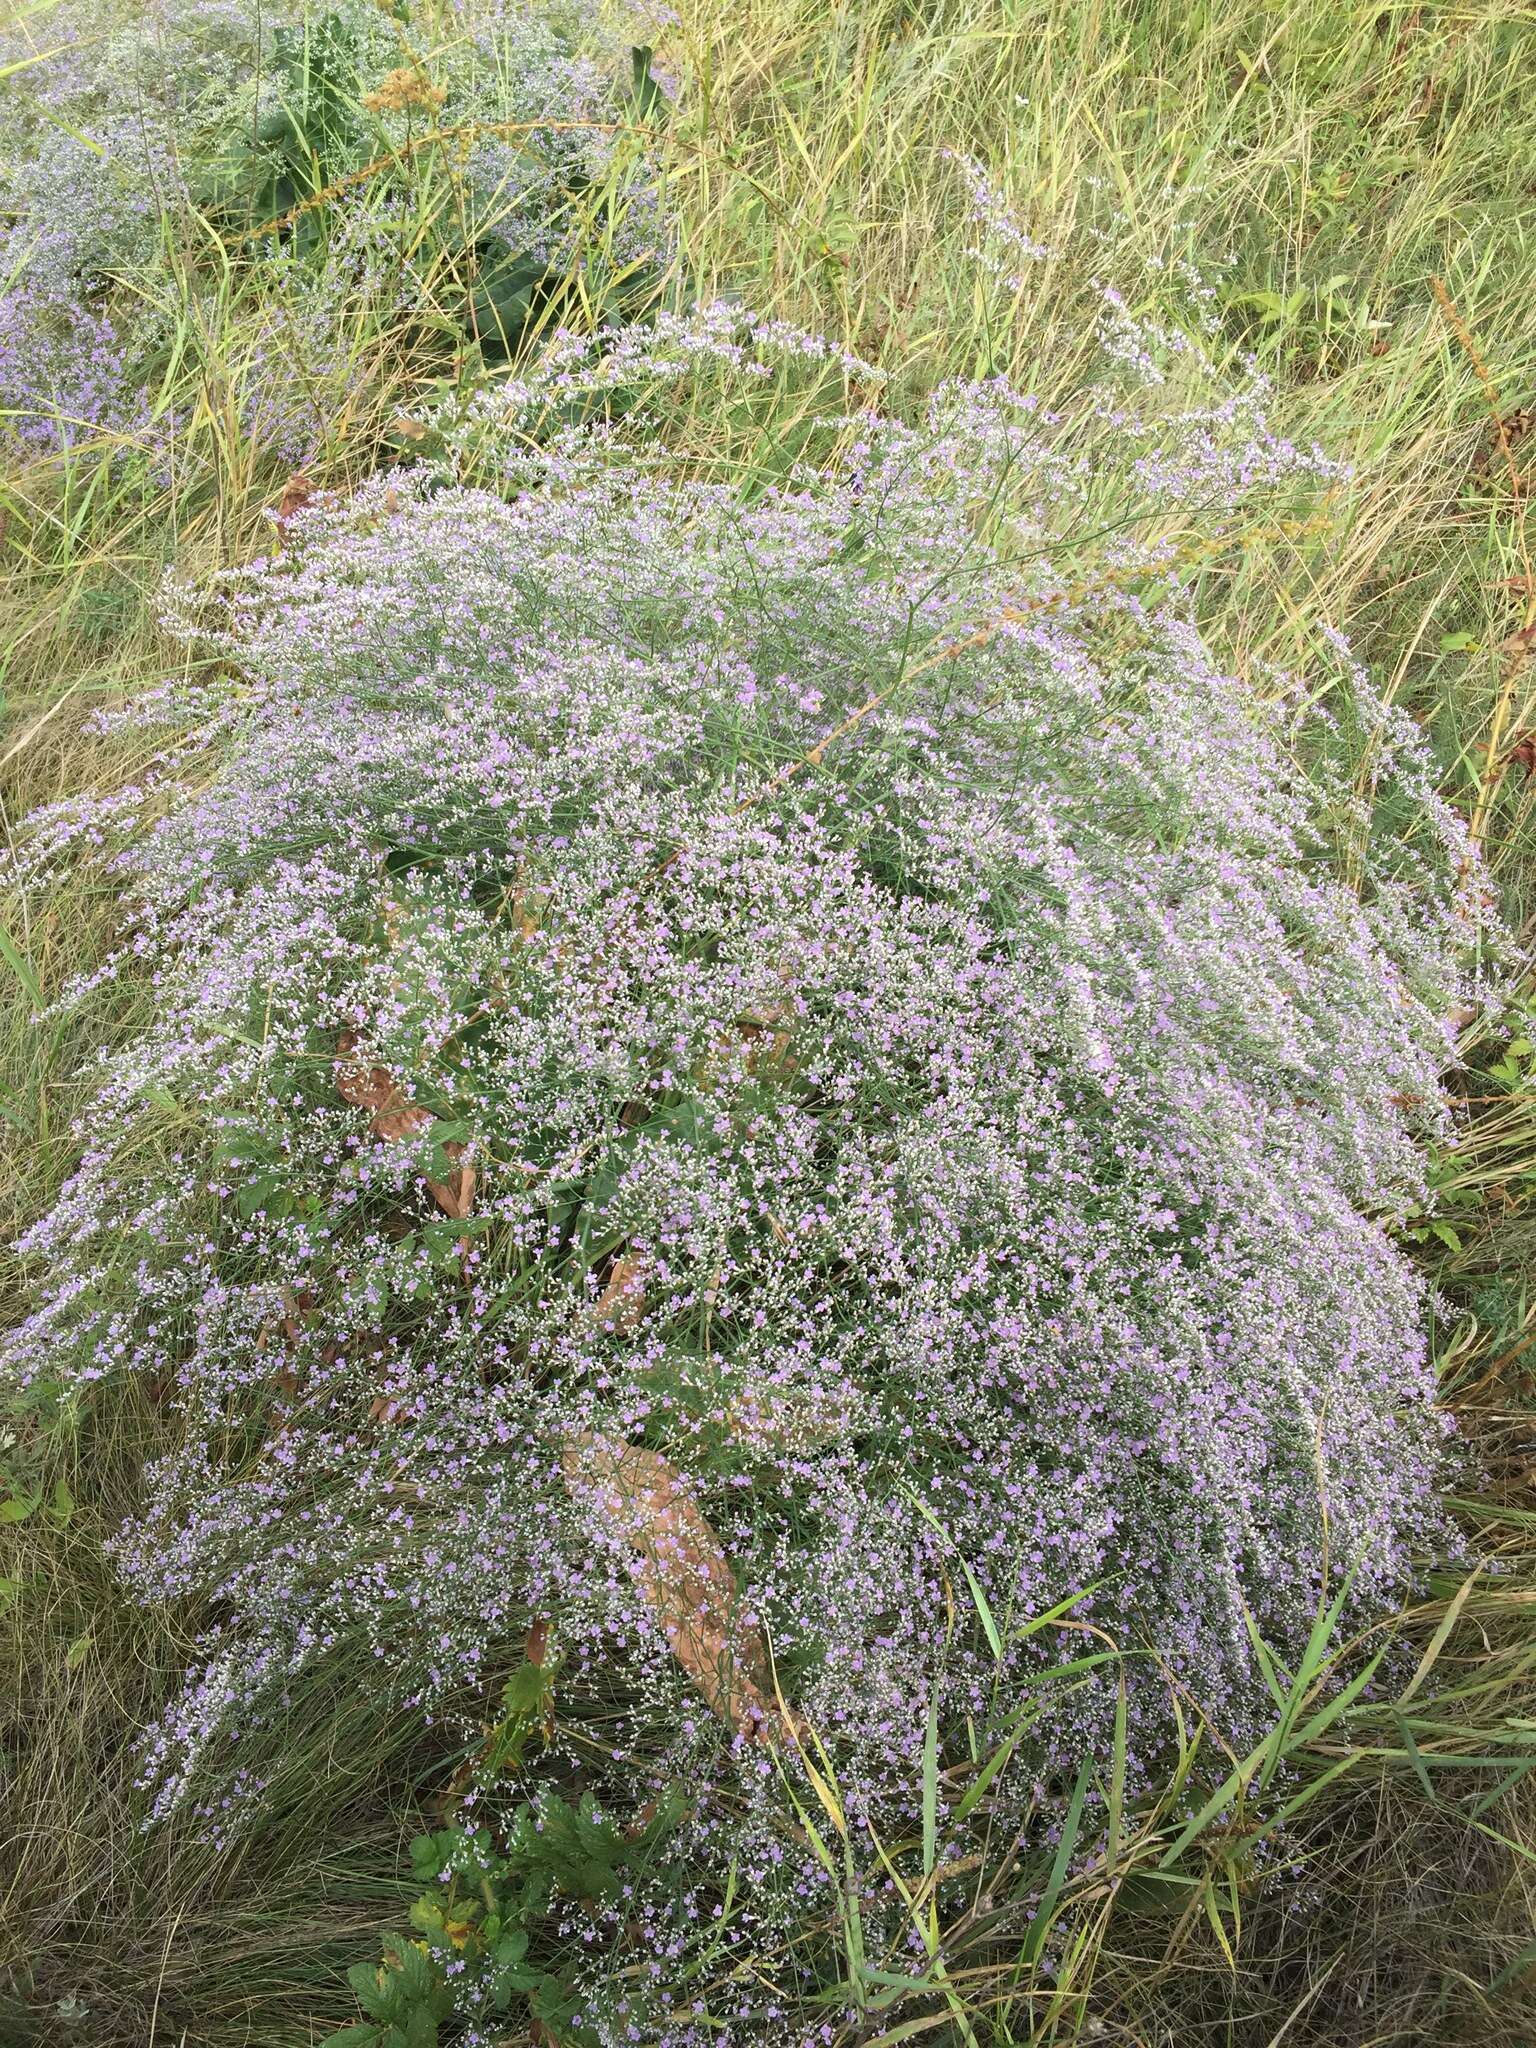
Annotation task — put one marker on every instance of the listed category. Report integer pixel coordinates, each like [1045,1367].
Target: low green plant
[480,1921]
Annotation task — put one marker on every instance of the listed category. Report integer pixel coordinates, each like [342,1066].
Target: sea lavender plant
[137,138]
[746,1099]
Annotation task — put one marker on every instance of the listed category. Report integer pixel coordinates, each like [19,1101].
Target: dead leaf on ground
[391,1112]
[621,1305]
[756,1044]
[371,1347]
[1516,649]
[297,493]
[685,1578]
[455,1196]
[781,1421]
[297,1310]
[393,1116]
[765,1039]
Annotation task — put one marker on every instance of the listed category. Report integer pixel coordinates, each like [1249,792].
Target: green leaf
[1116,1800]
[511,1949]
[989,1770]
[1414,1755]
[426,1916]
[37,57]
[556,2005]
[267,1193]
[1313,1658]
[1054,1614]
[1524,1961]
[983,1611]
[421,2028]
[373,1990]
[13,957]
[931,1785]
[417,1974]
[1040,1926]
[898,1982]
[649,97]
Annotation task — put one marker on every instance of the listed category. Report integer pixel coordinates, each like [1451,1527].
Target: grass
[1368,172]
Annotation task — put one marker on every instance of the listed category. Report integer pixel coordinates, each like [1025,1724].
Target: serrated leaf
[372,1989]
[426,1916]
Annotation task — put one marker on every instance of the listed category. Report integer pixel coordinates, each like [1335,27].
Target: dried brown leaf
[297,493]
[621,1305]
[392,1116]
[781,1421]
[526,907]
[455,1196]
[1516,649]
[297,1311]
[758,1039]
[392,1113]
[685,1578]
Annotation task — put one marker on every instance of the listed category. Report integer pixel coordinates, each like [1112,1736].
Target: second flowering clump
[287,134]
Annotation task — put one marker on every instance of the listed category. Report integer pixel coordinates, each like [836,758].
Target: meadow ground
[1358,184]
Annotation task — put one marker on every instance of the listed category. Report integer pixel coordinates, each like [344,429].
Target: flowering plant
[758,1114]
[297,135]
